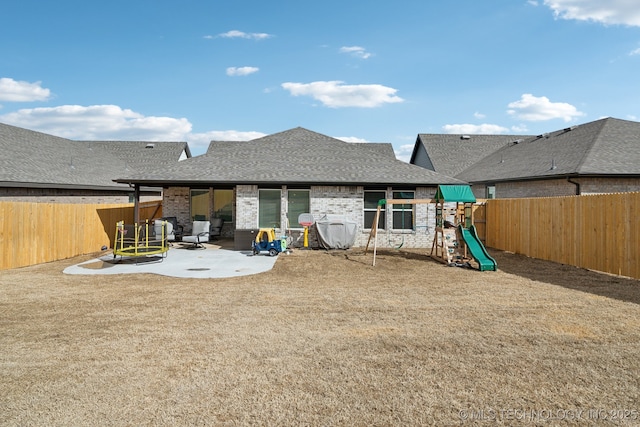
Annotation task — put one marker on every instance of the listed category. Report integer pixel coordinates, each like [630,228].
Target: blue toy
[266,241]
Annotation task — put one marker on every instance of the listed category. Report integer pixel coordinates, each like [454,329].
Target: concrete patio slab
[211,262]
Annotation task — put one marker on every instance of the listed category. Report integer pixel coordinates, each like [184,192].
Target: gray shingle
[30,158]
[144,154]
[293,156]
[602,147]
[451,154]
[39,159]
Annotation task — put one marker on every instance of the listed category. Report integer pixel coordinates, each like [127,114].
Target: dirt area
[326,339]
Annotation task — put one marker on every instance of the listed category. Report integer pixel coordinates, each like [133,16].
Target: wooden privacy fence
[33,233]
[599,232]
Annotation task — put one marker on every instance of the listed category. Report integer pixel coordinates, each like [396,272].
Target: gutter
[577,184]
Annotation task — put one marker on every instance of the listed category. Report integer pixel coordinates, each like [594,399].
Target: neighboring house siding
[422,158]
[559,187]
[608,185]
[541,188]
[479,190]
[55,195]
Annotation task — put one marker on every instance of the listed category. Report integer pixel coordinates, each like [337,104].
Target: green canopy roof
[455,193]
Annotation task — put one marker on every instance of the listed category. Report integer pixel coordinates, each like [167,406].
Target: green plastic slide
[477,249]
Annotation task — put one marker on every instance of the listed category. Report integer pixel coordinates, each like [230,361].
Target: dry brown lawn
[323,339]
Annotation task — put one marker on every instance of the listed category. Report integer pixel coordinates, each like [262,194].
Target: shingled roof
[39,160]
[608,147]
[295,156]
[145,154]
[451,154]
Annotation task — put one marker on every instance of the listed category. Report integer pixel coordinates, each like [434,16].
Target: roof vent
[465,137]
[150,145]
[569,129]
[553,165]
[518,141]
[543,135]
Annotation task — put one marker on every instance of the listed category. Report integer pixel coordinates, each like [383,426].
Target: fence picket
[599,232]
[34,233]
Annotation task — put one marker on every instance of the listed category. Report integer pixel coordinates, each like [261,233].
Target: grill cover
[336,232]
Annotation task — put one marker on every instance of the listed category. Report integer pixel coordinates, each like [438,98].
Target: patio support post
[136,203]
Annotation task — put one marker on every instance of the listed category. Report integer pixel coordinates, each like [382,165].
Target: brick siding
[57,195]
[347,201]
[559,187]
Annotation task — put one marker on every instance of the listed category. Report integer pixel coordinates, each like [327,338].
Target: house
[602,156]
[270,181]
[39,167]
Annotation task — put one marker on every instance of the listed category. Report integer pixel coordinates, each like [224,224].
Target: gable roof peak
[297,135]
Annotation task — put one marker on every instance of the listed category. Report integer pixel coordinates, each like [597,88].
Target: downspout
[577,184]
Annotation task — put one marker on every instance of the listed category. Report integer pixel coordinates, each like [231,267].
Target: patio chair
[169,234]
[216,227]
[199,234]
[178,230]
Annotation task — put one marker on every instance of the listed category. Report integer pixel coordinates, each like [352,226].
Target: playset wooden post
[448,246]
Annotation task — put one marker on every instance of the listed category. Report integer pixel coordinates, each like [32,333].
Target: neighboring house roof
[38,160]
[603,147]
[451,154]
[145,154]
[295,156]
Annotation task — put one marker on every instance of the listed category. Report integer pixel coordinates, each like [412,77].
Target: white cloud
[536,109]
[335,94]
[235,34]
[479,115]
[199,142]
[356,51]
[635,52]
[404,152]
[484,129]
[241,71]
[21,91]
[110,122]
[97,122]
[354,139]
[532,2]
[519,129]
[625,12]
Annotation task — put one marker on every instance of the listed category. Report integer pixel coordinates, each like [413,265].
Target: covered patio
[216,260]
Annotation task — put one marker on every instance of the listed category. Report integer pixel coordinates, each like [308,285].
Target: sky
[358,70]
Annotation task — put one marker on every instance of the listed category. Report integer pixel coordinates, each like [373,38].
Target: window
[269,209]
[223,204]
[491,191]
[298,201]
[371,199]
[200,205]
[403,214]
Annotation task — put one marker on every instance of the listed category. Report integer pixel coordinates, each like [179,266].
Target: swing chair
[389,233]
[374,227]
